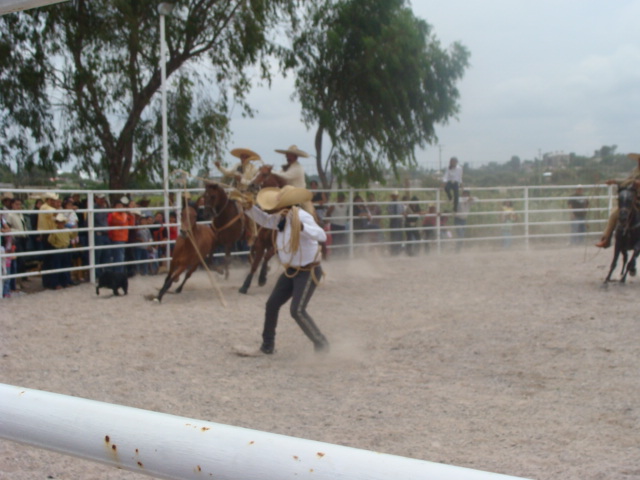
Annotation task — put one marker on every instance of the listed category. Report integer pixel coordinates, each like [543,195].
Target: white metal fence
[539,214]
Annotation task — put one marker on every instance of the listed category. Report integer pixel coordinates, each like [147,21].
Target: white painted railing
[543,215]
[167,446]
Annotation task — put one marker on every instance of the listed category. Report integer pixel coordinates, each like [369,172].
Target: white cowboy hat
[61,217]
[294,150]
[51,195]
[634,156]
[124,200]
[7,196]
[273,198]
[238,152]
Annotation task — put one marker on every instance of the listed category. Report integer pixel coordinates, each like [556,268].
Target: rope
[191,237]
[294,245]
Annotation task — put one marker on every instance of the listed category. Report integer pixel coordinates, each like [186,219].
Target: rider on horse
[632,181]
[242,173]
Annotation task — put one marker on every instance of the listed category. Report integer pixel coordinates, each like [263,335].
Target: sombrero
[294,150]
[273,198]
[237,152]
[50,195]
[634,156]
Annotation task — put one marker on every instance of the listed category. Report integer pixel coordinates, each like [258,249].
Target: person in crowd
[452,181]
[143,235]
[33,220]
[395,210]
[119,234]
[461,216]
[430,226]
[101,233]
[297,241]
[509,217]
[361,218]
[19,225]
[579,205]
[338,215]
[632,179]
[319,200]
[7,262]
[241,174]
[70,207]
[61,240]
[160,233]
[46,223]
[374,225]
[6,198]
[411,217]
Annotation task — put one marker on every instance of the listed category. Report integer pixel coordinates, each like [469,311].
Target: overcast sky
[545,76]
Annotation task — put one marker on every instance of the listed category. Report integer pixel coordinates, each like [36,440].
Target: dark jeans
[461,227]
[451,188]
[300,288]
[102,255]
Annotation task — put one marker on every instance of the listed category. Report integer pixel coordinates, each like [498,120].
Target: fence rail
[172,447]
[539,213]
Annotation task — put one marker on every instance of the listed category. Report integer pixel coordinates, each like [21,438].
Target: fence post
[91,236]
[526,217]
[438,225]
[350,236]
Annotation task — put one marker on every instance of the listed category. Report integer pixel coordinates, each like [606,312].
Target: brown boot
[605,242]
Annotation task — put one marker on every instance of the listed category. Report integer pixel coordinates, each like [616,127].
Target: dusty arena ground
[513,362]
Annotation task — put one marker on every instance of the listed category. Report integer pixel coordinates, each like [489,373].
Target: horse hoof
[261,282]
[243,290]
[156,299]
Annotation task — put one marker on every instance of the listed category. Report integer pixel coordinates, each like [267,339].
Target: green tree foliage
[374,79]
[79,81]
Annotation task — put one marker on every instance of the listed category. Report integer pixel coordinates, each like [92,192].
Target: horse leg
[186,277]
[247,283]
[254,255]
[167,284]
[262,278]
[613,264]
[227,261]
[623,271]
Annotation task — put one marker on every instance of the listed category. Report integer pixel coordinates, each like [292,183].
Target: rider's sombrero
[237,152]
[634,156]
[273,198]
[294,150]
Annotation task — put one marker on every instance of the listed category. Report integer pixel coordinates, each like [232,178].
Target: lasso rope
[294,245]
[191,237]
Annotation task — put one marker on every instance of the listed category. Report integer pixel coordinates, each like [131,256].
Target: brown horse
[228,221]
[263,247]
[194,244]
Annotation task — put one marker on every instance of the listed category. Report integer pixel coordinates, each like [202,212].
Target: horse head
[265,178]
[215,198]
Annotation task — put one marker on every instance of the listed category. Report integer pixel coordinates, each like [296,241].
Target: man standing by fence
[101,237]
[579,205]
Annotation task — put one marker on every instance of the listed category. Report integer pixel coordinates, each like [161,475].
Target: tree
[373,78]
[79,81]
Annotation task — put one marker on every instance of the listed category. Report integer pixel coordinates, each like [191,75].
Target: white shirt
[453,174]
[294,175]
[464,206]
[311,234]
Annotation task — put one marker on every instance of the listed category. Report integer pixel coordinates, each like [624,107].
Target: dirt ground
[512,362]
